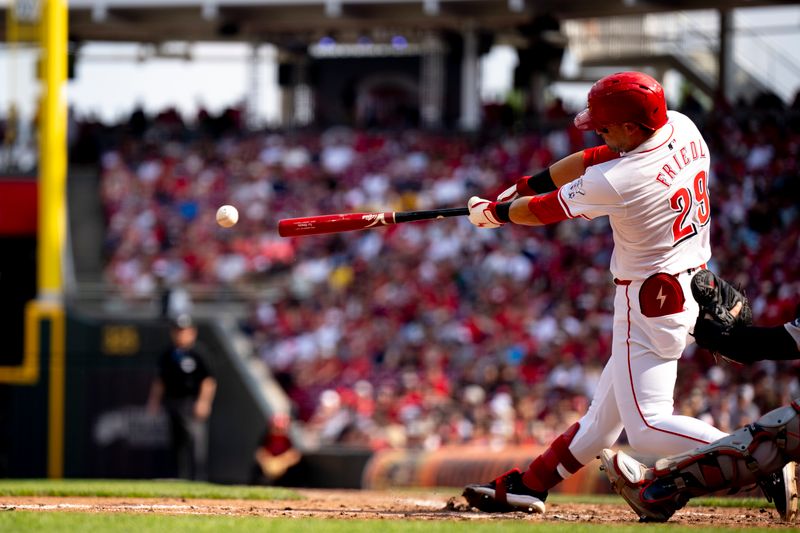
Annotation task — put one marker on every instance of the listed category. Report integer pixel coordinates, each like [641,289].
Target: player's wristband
[500,210]
[539,183]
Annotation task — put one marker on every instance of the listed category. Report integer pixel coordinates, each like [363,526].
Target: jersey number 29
[685,226]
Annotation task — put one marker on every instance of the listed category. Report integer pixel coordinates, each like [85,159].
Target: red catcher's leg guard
[542,474]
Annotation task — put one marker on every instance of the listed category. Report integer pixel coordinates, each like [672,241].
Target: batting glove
[520,188]
[508,194]
[482,213]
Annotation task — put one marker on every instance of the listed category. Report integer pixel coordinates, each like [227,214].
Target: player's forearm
[155,396]
[561,172]
[520,213]
[208,389]
[753,343]
[567,169]
[289,457]
[547,180]
[532,201]
[202,406]
[527,211]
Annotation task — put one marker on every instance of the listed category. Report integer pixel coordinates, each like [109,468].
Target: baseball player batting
[651,178]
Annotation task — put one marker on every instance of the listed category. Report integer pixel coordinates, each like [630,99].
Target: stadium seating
[435,334]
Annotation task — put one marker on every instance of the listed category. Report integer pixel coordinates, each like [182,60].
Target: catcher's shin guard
[749,456]
[629,478]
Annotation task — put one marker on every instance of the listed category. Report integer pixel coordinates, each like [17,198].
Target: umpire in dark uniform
[185,387]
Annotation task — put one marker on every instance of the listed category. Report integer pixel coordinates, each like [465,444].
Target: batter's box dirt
[386,505]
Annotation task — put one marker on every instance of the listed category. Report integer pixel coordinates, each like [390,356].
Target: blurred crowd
[436,333]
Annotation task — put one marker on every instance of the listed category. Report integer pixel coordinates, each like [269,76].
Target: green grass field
[107,488]
[88,523]
[12,520]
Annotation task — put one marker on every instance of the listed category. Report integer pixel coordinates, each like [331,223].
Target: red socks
[543,473]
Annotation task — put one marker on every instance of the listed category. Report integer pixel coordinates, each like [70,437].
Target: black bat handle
[409,216]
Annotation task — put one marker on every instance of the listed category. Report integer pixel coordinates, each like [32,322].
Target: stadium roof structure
[284,22]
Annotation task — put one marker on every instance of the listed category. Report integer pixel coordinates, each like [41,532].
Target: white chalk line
[188,509]
[429,504]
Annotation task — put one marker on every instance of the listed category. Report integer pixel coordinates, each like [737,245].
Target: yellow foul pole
[52,214]
[53,150]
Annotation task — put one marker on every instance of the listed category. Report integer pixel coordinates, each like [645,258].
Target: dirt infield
[384,505]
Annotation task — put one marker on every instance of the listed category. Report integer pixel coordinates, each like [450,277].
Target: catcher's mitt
[723,308]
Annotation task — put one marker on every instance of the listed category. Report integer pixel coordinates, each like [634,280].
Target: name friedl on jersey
[692,151]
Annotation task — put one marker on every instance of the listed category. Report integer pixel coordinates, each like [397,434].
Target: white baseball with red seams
[656,197]
[227,216]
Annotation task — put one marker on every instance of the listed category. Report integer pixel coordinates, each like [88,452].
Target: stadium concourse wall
[110,363]
[459,466]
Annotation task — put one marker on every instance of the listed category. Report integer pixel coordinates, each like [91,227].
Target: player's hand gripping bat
[316,225]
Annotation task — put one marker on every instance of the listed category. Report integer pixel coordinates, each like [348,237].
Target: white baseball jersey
[656,198]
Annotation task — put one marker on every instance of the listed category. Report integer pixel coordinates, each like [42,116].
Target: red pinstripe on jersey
[633,385]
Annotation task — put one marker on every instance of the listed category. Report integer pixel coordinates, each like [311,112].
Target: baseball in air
[227,216]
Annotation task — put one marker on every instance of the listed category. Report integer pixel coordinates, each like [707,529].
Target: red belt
[689,271]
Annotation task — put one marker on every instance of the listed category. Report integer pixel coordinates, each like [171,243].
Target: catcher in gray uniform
[761,453]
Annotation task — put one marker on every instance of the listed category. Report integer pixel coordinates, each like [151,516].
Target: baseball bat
[317,225]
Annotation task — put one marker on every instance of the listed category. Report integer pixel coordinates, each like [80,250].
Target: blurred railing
[769,64]
[693,39]
[206,300]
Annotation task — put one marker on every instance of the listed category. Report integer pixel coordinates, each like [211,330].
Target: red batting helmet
[624,97]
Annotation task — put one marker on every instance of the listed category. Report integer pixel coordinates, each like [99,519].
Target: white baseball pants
[637,385]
